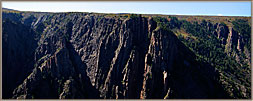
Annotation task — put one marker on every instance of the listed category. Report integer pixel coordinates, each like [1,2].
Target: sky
[141,7]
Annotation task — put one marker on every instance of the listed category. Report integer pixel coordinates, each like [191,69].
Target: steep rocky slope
[88,55]
[227,48]
[18,57]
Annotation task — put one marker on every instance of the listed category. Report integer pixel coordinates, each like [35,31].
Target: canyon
[78,55]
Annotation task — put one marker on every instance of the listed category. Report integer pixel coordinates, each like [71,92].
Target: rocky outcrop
[18,54]
[222,32]
[57,75]
[233,41]
[86,55]
[170,68]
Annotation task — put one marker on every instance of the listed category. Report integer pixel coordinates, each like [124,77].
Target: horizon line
[213,15]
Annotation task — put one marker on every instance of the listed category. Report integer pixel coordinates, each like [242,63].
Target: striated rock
[233,41]
[168,76]
[18,54]
[86,55]
[222,32]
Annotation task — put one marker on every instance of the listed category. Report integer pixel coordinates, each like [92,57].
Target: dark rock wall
[81,55]
[18,54]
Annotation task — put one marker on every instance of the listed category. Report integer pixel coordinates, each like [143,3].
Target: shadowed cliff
[124,56]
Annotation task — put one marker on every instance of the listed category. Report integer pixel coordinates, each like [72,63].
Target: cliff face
[85,55]
[233,41]
[18,54]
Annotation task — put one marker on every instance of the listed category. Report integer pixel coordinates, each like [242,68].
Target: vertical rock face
[82,55]
[233,41]
[170,68]
[58,74]
[18,48]
[222,32]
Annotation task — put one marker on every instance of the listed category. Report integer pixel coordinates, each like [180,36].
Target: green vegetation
[123,82]
[58,49]
[165,23]
[132,16]
[150,75]
[99,18]
[162,22]
[244,28]
[209,49]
